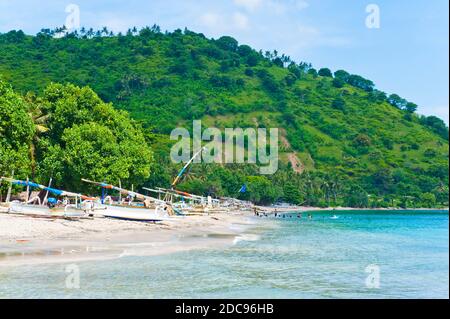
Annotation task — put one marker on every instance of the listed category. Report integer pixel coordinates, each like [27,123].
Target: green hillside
[343,141]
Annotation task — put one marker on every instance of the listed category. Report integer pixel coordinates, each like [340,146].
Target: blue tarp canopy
[49,189]
[54,191]
[25,183]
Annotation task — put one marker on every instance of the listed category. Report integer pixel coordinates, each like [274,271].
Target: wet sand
[27,240]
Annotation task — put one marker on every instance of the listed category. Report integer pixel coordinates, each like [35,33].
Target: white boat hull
[39,210]
[135,213]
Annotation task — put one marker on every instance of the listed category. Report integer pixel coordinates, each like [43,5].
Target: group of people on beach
[280,215]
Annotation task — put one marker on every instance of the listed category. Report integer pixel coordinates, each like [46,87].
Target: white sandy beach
[15,227]
[35,240]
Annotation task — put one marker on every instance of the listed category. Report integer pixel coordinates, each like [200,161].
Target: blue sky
[407,55]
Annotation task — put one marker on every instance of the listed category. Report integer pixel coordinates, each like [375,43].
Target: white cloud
[277,7]
[224,22]
[240,20]
[250,5]
[309,36]
[210,20]
[301,4]
[307,31]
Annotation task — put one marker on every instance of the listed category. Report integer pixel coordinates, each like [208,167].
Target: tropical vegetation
[99,105]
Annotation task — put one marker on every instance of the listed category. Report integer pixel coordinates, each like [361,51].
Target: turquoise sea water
[279,258]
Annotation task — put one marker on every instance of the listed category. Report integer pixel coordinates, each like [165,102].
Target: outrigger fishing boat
[68,205]
[146,208]
[190,204]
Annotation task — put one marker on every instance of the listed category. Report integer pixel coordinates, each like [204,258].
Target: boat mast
[177,178]
[8,195]
[169,196]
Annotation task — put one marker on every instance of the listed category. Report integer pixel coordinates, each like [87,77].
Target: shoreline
[340,208]
[28,240]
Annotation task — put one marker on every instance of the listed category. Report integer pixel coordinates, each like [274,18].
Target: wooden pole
[120,193]
[44,202]
[8,195]
[28,190]
[131,197]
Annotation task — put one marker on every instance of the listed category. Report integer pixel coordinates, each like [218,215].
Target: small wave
[238,227]
[246,237]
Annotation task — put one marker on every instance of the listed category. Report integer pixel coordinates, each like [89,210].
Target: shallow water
[358,255]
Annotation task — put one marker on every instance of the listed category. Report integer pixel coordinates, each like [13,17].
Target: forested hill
[342,139]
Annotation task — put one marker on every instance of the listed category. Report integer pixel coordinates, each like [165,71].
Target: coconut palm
[105,31]
[40,120]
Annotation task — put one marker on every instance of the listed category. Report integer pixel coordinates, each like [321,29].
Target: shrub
[325,72]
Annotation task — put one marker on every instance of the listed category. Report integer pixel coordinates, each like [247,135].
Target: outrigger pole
[168,196]
[124,191]
[177,179]
[55,191]
[174,192]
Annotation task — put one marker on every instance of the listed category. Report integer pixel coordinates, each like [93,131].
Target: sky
[406,53]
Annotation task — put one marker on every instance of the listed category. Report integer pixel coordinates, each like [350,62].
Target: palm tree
[325,189]
[156,28]
[40,121]
[285,59]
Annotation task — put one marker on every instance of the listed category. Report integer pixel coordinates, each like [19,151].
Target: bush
[428,200]
[290,79]
[249,72]
[325,72]
[360,82]
[227,43]
[362,140]
[268,81]
[221,81]
[252,59]
[245,50]
[436,124]
[338,104]
[338,83]
[429,152]
[342,75]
